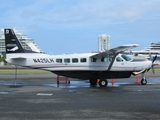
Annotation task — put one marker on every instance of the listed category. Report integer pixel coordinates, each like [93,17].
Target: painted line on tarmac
[44,94]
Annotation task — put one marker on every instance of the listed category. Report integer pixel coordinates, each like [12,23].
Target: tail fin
[12,43]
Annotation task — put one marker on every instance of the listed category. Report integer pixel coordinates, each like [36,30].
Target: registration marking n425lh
[43,60]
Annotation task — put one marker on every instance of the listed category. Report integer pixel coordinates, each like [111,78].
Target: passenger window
[74,60]
[83,60]
[59,60]
[104,59]
[118,59]
[66,60]
[93,59]
[110,57]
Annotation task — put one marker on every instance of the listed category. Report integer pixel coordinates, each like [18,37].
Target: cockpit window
[127,58]
[118,59]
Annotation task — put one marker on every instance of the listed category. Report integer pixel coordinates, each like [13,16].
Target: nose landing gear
[143,80]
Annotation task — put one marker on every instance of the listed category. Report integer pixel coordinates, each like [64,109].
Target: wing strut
[110,65]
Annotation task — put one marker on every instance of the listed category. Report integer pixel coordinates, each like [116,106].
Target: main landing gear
[102,82]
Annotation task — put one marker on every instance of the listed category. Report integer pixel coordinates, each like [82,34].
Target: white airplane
[89,66]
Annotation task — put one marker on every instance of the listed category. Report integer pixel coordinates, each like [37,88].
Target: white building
[103,42]
[26,42]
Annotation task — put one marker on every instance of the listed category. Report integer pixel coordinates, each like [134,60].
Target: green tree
[2,58]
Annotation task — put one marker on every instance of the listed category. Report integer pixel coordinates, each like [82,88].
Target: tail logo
[7,31]
[13,49]
[12,32]
[11,44]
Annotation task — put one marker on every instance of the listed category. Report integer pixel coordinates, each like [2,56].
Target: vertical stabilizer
[12,43]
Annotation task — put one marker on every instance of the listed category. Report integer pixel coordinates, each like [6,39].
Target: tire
[143,81]
[93,81]
[103,83]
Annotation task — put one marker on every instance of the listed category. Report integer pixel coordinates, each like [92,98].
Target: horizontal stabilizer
[17,58]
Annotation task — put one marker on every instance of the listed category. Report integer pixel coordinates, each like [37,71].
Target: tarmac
[38,97]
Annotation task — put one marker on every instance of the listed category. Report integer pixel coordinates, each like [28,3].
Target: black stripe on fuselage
[94,74]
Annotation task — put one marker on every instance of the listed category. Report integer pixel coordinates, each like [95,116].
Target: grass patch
[155,70]
[24,71]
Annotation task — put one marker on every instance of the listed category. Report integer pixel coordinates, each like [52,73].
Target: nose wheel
[143,80]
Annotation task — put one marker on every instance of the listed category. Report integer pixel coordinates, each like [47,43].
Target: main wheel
[93,81]
[103,83]
[143,81]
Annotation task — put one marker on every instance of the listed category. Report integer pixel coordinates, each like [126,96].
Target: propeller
[153,73]
[154,59]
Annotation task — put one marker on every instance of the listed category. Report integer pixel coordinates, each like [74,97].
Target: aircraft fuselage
[80,66]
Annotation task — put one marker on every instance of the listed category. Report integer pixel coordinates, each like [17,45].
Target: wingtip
[134,45]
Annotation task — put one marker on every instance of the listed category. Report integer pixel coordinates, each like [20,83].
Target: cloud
[58,21]
[78,13]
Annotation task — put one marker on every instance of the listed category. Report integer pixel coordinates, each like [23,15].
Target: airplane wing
[115,51]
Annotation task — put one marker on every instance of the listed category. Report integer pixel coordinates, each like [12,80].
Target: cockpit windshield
[127,58]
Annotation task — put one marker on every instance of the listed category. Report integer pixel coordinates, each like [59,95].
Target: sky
[73,26]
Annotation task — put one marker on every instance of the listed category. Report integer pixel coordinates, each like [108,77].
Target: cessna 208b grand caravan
[90,66]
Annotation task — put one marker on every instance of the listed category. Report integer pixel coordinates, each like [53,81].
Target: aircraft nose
[150,63]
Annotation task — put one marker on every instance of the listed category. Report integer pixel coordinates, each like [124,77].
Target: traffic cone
[98,80]
[137,79]
[112,81]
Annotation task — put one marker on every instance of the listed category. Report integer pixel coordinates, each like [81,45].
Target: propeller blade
[154,59]
[152,67]
[148,69]
[153,73]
